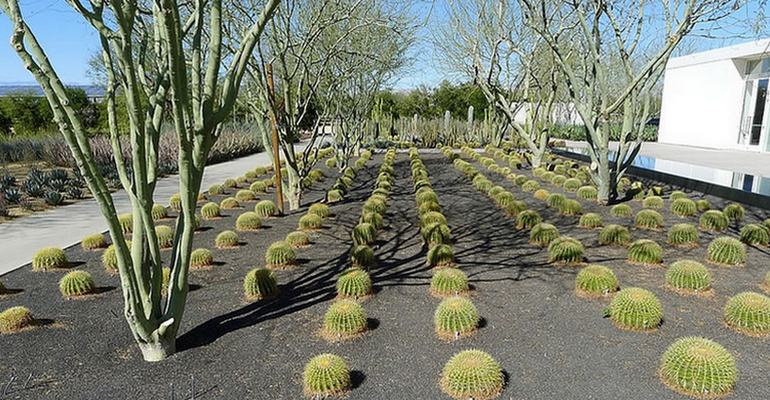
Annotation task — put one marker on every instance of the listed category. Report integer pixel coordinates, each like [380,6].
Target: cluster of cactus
[449,282]
[648,219]
[354,283]
[684,207]
[265,209]
[543,234]
[343,320]
[645,251]
[227,240]
[616,235]
[280,255]
[683,235]
[76,283]
[93,242]
[165,236]
[455,317]
[297,239]
[699,368]
[748,313]
[596,281]
[565,249]
[49,258]
[713,220]
[53,186]
[472,374]
[727,251]
[755,234]
[635,309]
[260,283]
[15,319]
[590,221]
[621,210]
[210,211]
[688,276]
[326,375]
[201,258]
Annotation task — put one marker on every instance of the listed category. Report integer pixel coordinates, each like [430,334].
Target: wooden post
[276,152]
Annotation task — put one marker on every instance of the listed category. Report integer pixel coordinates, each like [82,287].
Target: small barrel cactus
[76,283]
[265,209]
[320,209]
[260,283]
[527,219]
[587,193]
[755,234]
[375,205]
[555,200]
[248,221]
[93,242]
[229,203]
[541,194]
[175,202]
[571,207]
[245,195]
[571,185]
[727,251]
[280,255]
[621,210]
[648,219]
[436,234]
[210,211]
[354,283]
[613,234]
[362,256]
[455,317]
[298,239]
[448,282]
[653,202]
[688,276]
[310,222]
[713,220]
[372,218]
[15,319]
[230,183]
[426,196]
[734,212]
[159,212]
[677,194]
[558,180]
[703,205]
[699,368]
[645,251]
[590,221]
[343,320]
[433,217]
[201,258]
[440,256]
[364,233]
[543,234]
[472,374]
[428,207]
[595,281]
[227,240]
[165,236]
[635,309]
[565,249]
[683,235]
[530,186]
[748,313]
[684,207]
[126,222]
[258,187]
[49,258]
[110,259]
[326,375]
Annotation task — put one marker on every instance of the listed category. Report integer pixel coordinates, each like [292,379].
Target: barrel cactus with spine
[543,234]
[699,368]
[648,219]
[455,317]
[259,284]
[344,319]
[472,374]
[440,256]
[436,234]
[93,242]
[587,193]
[362,256]
[364,233]
[354,283]
[755,235]
[621,210]
[570,207]
[683,235]
[49,258]
[76,284]
[684,207]
[527,219]
[201,258]
[726,250]
[297,239]
[688,277]
[714,220]
[596,281]
[645,251]
[280,255]
[590,221]
[734,212]
[265,209]
[15,319]
[310,222]
[326,375]
[748,313]
[227,240]
[653,202]
[449,282]
[565,249]
[635,309]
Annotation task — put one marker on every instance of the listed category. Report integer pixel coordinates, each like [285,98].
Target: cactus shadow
[357,378]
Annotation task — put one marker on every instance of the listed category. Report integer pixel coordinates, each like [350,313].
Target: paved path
[747,162]
[66,226]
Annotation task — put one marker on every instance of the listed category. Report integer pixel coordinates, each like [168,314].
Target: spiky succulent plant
[258,187]
[621,210]
[590,221]
[362,256]
[571,184]
[541,194]
[448,282]
[159,212]
[565,249]
[648,219]
[175,202]
[571,207]
[364,233]
[310,222]
[587,193]
[558,180]
[280,255]
[688,276]
[703,205]
[229,203]
[76,283]
[334,196]
[210,211]
[527,219]
[755,234]
[298,239]
[595,281]
[110,259]
[677,194]
[126,222]
[425,196]
[216,189]
[227,240]
[165,236]
[734,212]
[260,283]
[354,283]
[326,375]
[748,313]
[265,209]
[375,205]
[372,218]
[543,234]
[653,202]
[635,309]
[683,235]
[343,320]
[699,368]
[201,258]
[530,186]
[555,200]
[319,209]
[49,258]
[15,319]
[432,217]
[455,317]
[713,220]
[440,256]
[472,374]
[436,234]
[684,207]
[727,251]
[248,221]
[93,242]
[245,195]
[645,251]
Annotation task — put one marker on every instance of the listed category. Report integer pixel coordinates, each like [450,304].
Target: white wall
[702,103]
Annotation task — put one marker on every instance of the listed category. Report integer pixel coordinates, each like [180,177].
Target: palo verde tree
[622,47]
[154,54]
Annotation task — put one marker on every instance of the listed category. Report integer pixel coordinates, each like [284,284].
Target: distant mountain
[10,89]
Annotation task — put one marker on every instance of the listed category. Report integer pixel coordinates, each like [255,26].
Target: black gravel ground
[551,343]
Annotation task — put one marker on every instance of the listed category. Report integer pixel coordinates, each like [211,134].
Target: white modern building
[718,98]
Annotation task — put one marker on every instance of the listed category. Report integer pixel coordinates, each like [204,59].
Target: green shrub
[175,202]
[15,319]
[714,221]
[748,313]
[201,258]
[76,283]
[755,234]
[260,283]
[653,202]
[530,186]
[527,219]
[354,283]
[677,194]
[726,250]
[565,249]
[165,236]
[159,212]
[645,251]
[587,193]
[455,317]
[448,282]
[216,190]
[265,209]
[280,255]
[229,203]
[472,374]
[210,211]
[126,222]
[343,320]
[555,200]
[362,256]
[248,221]
[621,210]
[436,234]
[440,255]
[596,281]
[703,205]
[699,368]
[571,207]
[591,221]
[684,207]
[571,184]
[688,276]
[93,242]
[227,240]
[310,222]
[319,209]
[734,212]
[543,234]
[684,235]
[364,233]
[334,196]
[648,219]
[297,239]
[49,258]
[245,195]
[326,375]
[635,309]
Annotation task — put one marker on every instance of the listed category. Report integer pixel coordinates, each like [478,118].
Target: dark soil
[551,343]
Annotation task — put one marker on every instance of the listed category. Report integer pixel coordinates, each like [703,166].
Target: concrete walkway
[65,226]
[747,162]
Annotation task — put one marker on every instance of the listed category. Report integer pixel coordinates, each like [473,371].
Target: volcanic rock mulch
[550,343]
